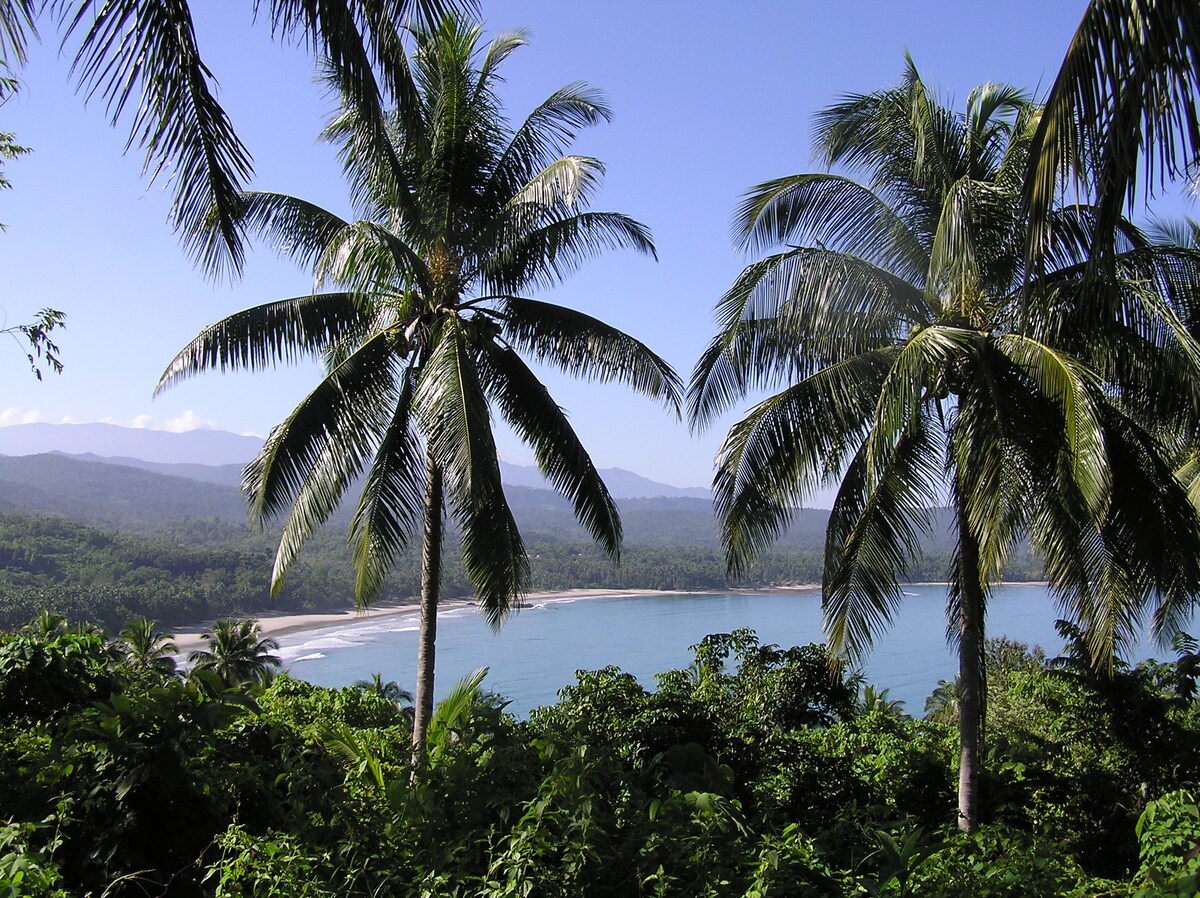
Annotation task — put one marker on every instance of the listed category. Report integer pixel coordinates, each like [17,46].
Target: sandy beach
[276,625]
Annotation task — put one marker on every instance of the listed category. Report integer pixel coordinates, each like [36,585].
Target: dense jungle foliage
[751,773]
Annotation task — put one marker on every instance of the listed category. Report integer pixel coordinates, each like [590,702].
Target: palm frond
[791,314]
[528,407]
[294,228]
[17,26]
[925,366]
[455,418]
[545,135]
[390,502]
[329,432]
[544,256]
[832,212]
[787,447]
[369,259]
[274,333]
[1074,391]
[1130,82]
[875,530]
[147,52]
[587,347]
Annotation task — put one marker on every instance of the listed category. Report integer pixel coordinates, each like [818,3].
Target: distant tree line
[203,569]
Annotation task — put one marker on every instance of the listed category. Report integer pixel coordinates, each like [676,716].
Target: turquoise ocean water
[540,648]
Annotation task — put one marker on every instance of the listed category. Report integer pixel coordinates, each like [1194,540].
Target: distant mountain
[203,447]
[134,500]
[224,475]
[111,496]
[216,456]
[621,483]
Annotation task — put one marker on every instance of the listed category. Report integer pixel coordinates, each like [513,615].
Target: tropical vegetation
[921,363]
[752,772]
[237,653]
[462,215]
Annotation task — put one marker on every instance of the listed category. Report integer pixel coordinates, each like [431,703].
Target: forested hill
[103,542]
[139,501]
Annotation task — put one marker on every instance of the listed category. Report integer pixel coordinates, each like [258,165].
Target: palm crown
[460,216]
[922,365]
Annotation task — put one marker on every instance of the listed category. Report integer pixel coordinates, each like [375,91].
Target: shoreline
[280,624]
[277,624]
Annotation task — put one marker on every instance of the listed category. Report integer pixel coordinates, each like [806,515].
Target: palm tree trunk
[431,582]
[970,674]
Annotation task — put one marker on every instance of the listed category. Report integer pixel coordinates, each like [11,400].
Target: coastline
[279,624]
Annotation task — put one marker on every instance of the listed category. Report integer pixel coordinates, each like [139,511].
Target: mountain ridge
[217,456]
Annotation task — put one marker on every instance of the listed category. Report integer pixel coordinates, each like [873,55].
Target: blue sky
[709,99]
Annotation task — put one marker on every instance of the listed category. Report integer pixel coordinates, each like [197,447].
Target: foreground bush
[752,773]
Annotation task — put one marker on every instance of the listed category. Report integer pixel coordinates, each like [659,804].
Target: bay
[539,649]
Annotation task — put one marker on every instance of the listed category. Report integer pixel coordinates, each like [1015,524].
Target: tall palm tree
[1127,98]
[460,216]
[237,652]
[917,370]
[143,54]
[143,645]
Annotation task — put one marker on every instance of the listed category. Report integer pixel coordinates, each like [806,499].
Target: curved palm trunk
[431,581]
[970,674]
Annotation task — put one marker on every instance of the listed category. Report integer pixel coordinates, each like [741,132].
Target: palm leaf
[832,212]
[16,27]
[1130,80]
[544,135]
[321,445]
[875,530]
[528,407]
[1072,388]
[277,332]
[147,51]
[455,418]
[547,254]
[390,502]
[786,447]
[587,347]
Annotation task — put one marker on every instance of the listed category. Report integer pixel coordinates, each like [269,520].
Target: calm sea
[541,647]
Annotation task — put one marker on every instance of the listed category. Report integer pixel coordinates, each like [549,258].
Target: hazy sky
[709,99]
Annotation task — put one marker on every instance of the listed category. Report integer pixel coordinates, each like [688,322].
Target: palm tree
[143,54]
[460,216]
[237,652]
[920,370]
[1127,97]
[143,645]
[390,691]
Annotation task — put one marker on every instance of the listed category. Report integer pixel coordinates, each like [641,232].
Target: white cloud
[189,420]
[15,414]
